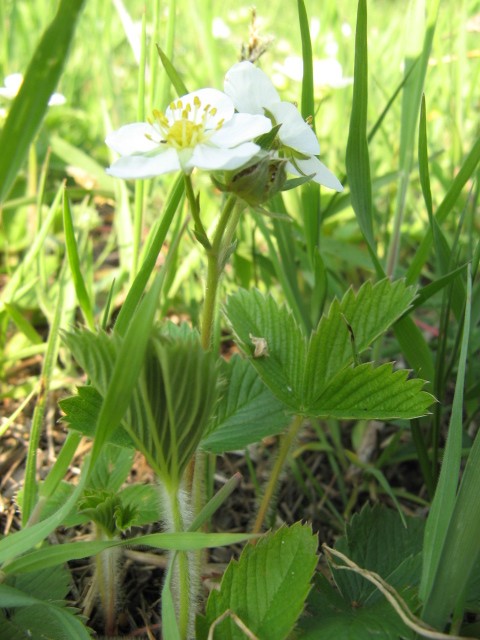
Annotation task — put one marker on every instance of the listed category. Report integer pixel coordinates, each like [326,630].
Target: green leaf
[74,262]
[360,318]
[154,242]
[172,401]
[31,103]
[255,317]
[177,396]
[58,580]
[353,609]
[266,588]
[172,73]
[40,617]
[331,617]
[317,379]
[446,207]
[247,412]
[366,392]
[357,157]
[376,539]
[82,411]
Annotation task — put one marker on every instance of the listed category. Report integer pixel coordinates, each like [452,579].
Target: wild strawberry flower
[12,84]
[252,91]
[200,130]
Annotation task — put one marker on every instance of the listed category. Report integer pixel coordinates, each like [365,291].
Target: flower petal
[249,88]
[143,166]
[132,138]
[214,158]
[209,99]
[240,128]
[294,132]
[322,175]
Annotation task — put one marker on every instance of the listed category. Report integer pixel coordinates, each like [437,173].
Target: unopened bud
[258,182]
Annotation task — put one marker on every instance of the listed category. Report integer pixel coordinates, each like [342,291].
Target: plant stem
[217,255]
[182,583]
[286,442]
[107,580]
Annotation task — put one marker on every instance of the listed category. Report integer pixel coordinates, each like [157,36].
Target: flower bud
[259,181]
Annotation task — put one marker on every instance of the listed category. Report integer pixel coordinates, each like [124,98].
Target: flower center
[184,133]
[185,127]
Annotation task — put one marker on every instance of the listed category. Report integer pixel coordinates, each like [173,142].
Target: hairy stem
[181,587]
[106,563]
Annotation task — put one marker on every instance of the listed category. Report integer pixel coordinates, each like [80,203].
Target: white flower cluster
[214,131]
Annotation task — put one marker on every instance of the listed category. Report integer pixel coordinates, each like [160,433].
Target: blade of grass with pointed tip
[50,556]
[74,262]
[175,79]
[31,103]
[141,280]
[444,501]
[310,194]
[357,156]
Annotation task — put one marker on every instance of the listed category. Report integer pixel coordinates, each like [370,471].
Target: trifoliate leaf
[315,377]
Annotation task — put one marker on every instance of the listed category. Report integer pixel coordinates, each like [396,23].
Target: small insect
[261,346]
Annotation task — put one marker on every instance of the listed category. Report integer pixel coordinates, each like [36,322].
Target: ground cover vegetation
[239,315]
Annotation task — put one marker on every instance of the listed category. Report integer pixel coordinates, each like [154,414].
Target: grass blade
[31,103]
[357,157]
[141,280]
[444,501]
[74,262]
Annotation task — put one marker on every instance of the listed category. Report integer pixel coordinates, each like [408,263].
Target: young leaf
[266,588]
[247,412]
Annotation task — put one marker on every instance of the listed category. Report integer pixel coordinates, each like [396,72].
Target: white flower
[253,92]
[12,84]
[200,130]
